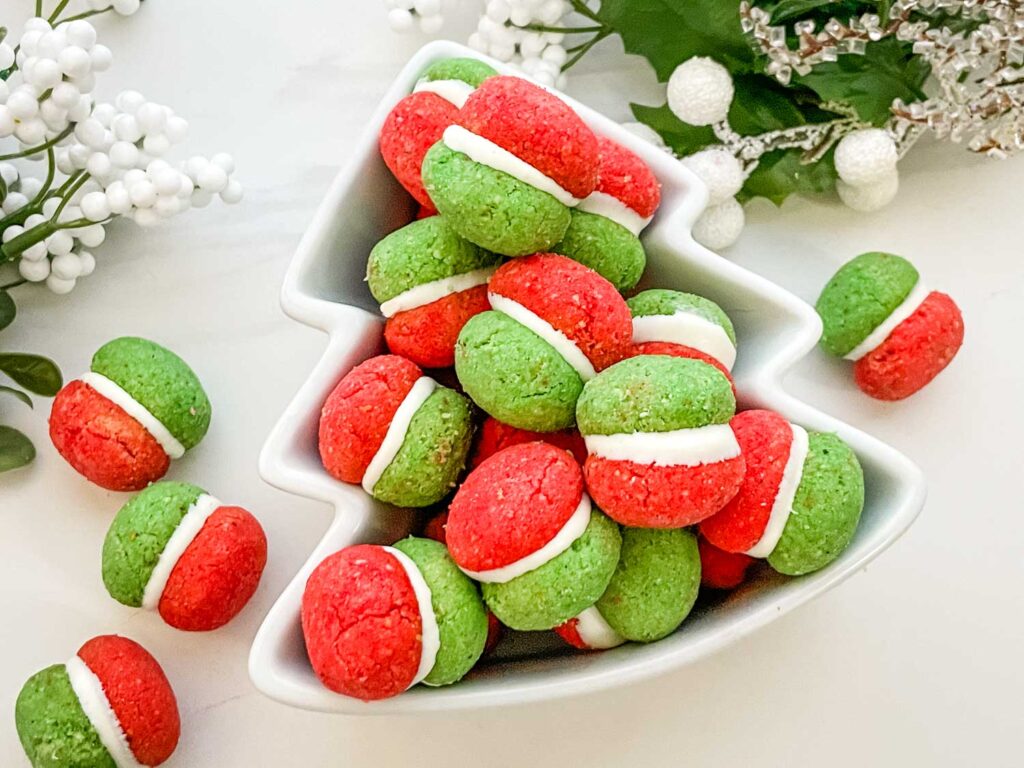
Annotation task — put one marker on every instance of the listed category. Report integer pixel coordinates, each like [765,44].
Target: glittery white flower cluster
[427,15]
[102,160]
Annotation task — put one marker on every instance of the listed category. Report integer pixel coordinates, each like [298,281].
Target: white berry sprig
[102,161]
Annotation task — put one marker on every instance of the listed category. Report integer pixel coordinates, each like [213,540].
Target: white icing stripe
[689,329]
[430,641]
[486,152]
[191,523]
[679,447]
[137,411]
[562,344]
[602,204]
[908,307]
[454,91]
[397,431]
[595,632]
[101,715]
[783,504]
[427,293]
[572,530]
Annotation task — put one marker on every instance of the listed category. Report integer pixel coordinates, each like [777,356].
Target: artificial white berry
[7,122]
[81,110]
[212,178]
[166,180]
[101,58]
[59,243]
[22,104]
[51,44]
[201,198]
[400,20]
[11,232]
[8,173]
[224,161]
[232,193]
[126,128]
[151,118]
[30,132]
[87,263]
[124,154]
[870,197]
[865,156]
[14,201]
[118,199]
[720,171]
[143,194]
[91,236]
[145,217]
[75,61]
[81,33]
[66,266]
[99,165]
[34,271]
[95,206]
[176,129]
[700,91]
[129,101]
[126,7]
[6,56]
[156,144]
[91,133]
[30,187]
[65,95]
[720,225]
[59,285]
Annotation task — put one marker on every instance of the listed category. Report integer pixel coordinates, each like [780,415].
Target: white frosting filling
[453,91]
[562,344]
[595,632]
[137,411]
[908,307]
[430,635]
[101,715]
[397,430]
[689,329]
[427,293]
[486,152]
[191,523]
[603,204]
[572,530]
[783,504]
[678,447]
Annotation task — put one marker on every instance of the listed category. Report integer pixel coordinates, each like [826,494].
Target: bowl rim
[762,387]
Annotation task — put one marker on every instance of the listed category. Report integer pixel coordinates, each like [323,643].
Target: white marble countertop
[916,661]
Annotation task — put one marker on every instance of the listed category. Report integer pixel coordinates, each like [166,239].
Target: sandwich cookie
[137,408]
[522,526]
[900,335]
[801,499]
[652,591]
[378,620]
[604,231]
[495,436]
[418,120]
[661,451]
[177,550]
[507,183]
[429,282]
[109,706]
[720,569]
[396,432]
[554,325]
[661,315]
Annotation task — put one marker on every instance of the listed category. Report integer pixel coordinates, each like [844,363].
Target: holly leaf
[7,309]
[35,373]
[667,32]
[16,450]
[888,70]
[683,138]
[782,173]
[18,394]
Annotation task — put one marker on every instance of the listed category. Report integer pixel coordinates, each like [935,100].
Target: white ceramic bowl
[325,288]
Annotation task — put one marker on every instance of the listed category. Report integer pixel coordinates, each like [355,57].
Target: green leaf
[870,83]
[7,309]
[684,139]
[18,394]
[667,32]
[16,450]
[35,373]
[781,173]
[792,9]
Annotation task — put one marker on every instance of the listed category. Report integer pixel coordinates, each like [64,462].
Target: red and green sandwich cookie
[801,499]
[379,620]
[522,525]
[652,591]
[108,706]
[138,407]
[177,550]
[661,451]
[877,312]
[417,122]
[604,231]
[554,325]
[664,316]
[436,529]
[509,169]
[494,436]
[398,433]
[429,282]
[720,569]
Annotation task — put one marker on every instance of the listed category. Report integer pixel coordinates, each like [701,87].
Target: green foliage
[35,373]
[16,450]
[667,32]
[7,309]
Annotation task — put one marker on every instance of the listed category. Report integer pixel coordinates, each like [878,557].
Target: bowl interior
[325,288]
